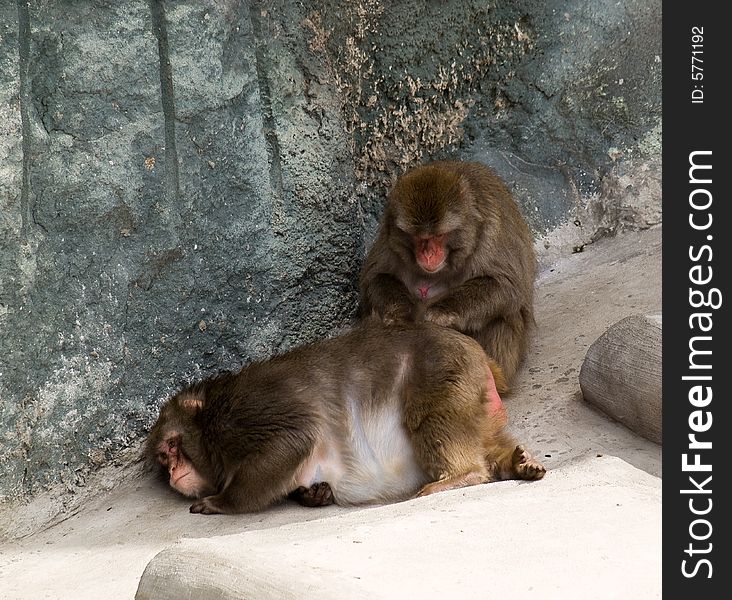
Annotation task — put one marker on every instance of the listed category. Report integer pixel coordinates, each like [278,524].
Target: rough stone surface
[602,533]
[150,237]
[187,186]
[621,374]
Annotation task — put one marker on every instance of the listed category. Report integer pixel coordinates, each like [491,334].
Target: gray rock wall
[186,186]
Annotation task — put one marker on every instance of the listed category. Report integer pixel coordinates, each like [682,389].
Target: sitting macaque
[378,415]
[454,249]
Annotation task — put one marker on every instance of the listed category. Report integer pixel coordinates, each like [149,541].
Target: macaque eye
[172,446]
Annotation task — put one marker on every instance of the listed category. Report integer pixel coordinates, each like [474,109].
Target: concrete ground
[591,528]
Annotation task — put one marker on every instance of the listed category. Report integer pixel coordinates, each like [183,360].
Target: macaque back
[380,414]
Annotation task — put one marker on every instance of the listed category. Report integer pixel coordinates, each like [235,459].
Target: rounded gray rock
[621,374]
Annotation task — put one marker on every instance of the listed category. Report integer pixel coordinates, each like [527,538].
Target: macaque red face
[174,447]
[183,476]
[431,212]
[430,252]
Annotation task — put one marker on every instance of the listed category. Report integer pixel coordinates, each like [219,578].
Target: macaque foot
[525,466]
[454,482]
[205,506]
[318,494]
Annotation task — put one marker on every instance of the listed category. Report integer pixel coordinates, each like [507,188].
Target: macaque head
[432,213]
[174,444]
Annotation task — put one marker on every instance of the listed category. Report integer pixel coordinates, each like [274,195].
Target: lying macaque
[378,415]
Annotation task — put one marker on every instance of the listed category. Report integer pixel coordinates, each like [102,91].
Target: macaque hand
[441,316]
[205,506]
[396,313]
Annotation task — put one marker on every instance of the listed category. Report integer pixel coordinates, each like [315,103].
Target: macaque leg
[504,458]
[460,440]
[318,494]
[453,483]
[445,428]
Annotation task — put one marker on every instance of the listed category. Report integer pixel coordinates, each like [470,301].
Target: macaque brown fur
[454,249]
[380,414]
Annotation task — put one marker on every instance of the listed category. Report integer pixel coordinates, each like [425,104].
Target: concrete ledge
[589,529]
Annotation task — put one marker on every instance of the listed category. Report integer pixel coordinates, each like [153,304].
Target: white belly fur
[374,463]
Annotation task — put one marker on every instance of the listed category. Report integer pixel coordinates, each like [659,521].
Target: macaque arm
[249,490]
[475,301]
[259,479]
[232,499]
[388,298]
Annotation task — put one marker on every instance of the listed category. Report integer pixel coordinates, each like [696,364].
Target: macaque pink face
[430,252]
[183,475]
